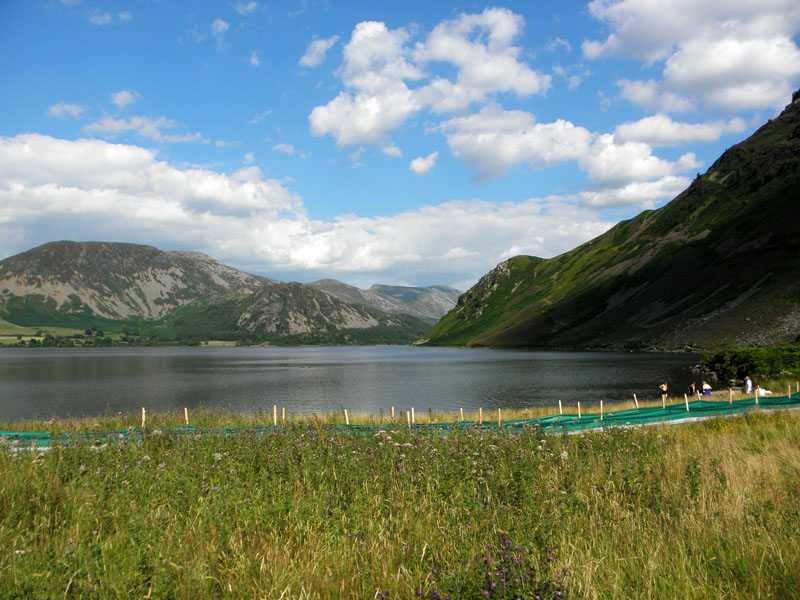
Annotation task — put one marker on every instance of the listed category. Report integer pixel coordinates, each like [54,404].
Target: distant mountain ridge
[428,302]
[180,295]
[719,264]
[115,280]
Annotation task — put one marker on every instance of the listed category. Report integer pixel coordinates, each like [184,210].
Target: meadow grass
[704,510]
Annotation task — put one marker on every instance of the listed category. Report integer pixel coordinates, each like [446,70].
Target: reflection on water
[89,382]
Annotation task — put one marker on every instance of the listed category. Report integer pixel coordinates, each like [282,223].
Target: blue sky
[373,142]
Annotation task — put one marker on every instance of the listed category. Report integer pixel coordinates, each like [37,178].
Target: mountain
[433,301]
[426,302]
[719,264]
[67,282]
[178,295]
[291,313]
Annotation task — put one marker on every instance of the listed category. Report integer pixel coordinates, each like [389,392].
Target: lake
[85,382]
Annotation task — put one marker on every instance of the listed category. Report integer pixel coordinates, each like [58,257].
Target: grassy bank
[707,510]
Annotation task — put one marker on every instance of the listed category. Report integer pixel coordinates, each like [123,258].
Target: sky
[406,143]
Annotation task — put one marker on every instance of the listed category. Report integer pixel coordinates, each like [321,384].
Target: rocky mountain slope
[427,302]
[719,264]
[178,295]
[292,313]
[111,280]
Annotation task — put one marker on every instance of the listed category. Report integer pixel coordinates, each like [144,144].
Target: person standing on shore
[706,389]
[748,385]
[693,389]
[664,391]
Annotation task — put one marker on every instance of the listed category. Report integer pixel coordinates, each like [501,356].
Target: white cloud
[245,8]
[732,56]
[316,51]
[124,98]
[651,94]
[253,59]
[423,165]
[364,118]
[480,46]
[62,110]
[495,140]
[379,63]
[392,150]
[609,164]
[661,130]
[644,194]
[241,218]
[573,78]
[146,127]
[218,29]
[249,158]
[100,18]
[290,150]
[260,116]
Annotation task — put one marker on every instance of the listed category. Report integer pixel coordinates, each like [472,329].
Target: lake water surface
[42,383]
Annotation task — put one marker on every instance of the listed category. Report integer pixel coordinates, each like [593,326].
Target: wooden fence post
[186,415]
[413,418]
[480,416]
[275,415]
[636,401]
[462,413]
[579,410]
[560,411]
[686,399]
[144,417]
[601,410]
[499,420]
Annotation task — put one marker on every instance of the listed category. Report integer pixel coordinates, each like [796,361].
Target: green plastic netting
[672,413]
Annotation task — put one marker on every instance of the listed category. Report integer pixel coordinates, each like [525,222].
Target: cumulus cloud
[423,164]
[730,56]
[620,172]
[101,18]
[253,59]
[63,109]
[257,223]
[651,94]
[123,98]
[661,130]
[245,8]
[494,140]
[392,150]
[364,118]
[218,29]
[147,127]
[290,150]
[379,64]
[481,47]
[316,52]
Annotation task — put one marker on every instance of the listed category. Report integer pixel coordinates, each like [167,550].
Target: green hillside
[719,264]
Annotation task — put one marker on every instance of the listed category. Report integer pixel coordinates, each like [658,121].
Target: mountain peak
[718,264]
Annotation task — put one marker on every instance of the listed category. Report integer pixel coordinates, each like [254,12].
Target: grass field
[705,510]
